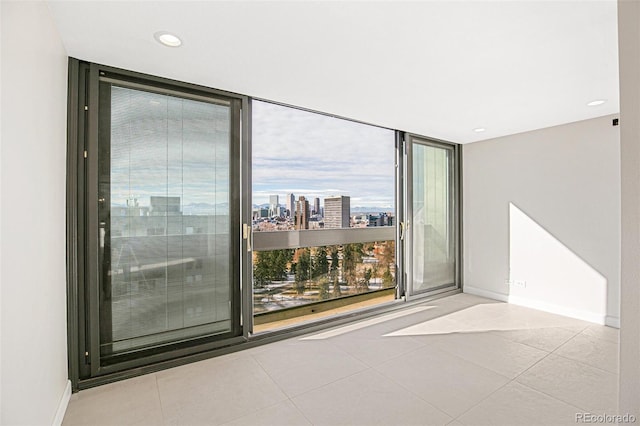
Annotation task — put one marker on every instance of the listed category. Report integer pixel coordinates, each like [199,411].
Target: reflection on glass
[164,218]
[312,171]
[432,226]
[293,277]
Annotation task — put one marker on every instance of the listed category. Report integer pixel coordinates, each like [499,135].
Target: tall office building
[337,211]
[316,205]
[291,205]
[274,206]
[302,213]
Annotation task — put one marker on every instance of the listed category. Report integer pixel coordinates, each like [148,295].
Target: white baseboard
[612,321]
[546,307]
[558,310]
[485,293]
[62,406]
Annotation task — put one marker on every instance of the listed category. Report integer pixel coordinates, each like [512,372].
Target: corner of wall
[541,227]
[62,406]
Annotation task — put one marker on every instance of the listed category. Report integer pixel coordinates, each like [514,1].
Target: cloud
[315,152]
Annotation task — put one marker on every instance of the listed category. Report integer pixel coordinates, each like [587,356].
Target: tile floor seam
[551,396]
[301,412]
[572,337]
[415,394]
[511,380]
[410,351]
[480,402]
[532,365]
[555,397]
[521,384]
[164,421]
[581,330]
[583,363]
[356,357]
[253,409]
[270,377]
[587,365]
[597,339]
[482,366]
[616,342]
[495,333]
[257,411]
[312,389]
[331,382]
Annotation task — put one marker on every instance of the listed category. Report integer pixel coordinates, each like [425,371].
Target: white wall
[32,226]
[542,209]
[629,47]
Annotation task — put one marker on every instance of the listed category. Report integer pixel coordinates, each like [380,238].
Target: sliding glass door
[324,216]
[163,219]
[189,232]
[432,203]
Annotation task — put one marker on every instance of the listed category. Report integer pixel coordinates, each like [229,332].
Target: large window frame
[80,122]
[454,206]
[85,368]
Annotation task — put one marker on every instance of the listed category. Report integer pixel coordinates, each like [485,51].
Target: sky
[315,155]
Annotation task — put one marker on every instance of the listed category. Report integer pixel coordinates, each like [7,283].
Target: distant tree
[351,256]
[336,292]
[386,253]
[270,266]
[387,278]
[335,260]
[375,272]
[323,288]
[302,269]
[333,272]
[320,264]
[261,274]
[280,260]
[364,282]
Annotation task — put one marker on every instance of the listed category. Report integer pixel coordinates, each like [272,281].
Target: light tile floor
[461,360]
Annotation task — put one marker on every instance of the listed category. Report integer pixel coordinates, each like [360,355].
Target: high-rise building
[316,205]
[291,205]
[302,213]
[337,211]
[274,205]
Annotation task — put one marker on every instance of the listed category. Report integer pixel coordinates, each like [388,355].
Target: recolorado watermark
[605,418]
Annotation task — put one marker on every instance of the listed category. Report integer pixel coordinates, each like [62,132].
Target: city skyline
[318,156]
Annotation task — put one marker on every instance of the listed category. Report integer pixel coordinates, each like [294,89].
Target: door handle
[246,234]
[402,229]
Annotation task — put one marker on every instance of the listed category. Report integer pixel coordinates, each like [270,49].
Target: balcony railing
[276,240]
[297,273]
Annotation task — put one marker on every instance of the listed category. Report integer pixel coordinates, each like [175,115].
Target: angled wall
[542,219]
[32,235]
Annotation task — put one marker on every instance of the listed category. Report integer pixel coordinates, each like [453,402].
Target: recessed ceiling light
[596,102]
[479,129]
[168,39]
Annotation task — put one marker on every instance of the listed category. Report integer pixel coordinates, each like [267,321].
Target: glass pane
[312,171]
[164,175]
[329,275]
[432,226]
[313,174]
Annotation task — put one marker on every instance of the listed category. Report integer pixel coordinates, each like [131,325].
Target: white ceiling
[438,69]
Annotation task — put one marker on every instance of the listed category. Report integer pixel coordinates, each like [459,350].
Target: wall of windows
[194,235]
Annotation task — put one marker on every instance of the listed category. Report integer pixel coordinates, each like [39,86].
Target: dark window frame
[77,123]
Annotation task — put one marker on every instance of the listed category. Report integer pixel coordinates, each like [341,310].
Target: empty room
[319,212]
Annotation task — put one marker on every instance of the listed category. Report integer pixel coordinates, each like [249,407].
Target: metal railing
[277,240]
